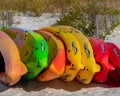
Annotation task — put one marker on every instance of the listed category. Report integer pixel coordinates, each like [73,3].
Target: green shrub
[82,15]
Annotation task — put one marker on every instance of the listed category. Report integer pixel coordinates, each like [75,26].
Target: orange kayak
[12,67]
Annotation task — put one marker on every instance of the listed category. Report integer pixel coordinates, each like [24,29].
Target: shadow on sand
[72,86]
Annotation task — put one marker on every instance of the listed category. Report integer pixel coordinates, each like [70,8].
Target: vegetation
[36,6]
[77,13]
[83,14]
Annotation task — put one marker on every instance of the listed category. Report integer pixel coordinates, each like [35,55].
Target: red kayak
[102,58]
[114,58]
[113,78]
[114,55]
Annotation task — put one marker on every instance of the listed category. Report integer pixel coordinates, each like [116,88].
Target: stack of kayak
[56,52]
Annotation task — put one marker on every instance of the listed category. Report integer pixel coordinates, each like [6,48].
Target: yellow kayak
[85,75]
[73,52]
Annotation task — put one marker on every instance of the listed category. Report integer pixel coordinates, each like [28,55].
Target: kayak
[85,75]
[114,55]
[12,68]
[73,52]
[17,34]
[102,58]
[33,49]
[56,57]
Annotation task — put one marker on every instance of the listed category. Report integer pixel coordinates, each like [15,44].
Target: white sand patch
[114,36]
[46,19]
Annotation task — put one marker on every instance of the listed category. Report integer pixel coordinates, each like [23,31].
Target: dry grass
[63,6]
[36,6]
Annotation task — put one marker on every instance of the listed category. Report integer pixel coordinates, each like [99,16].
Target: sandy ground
[114,36]
[59,88]
[30,22]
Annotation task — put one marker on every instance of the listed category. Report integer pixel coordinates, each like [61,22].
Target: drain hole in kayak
[2,63]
